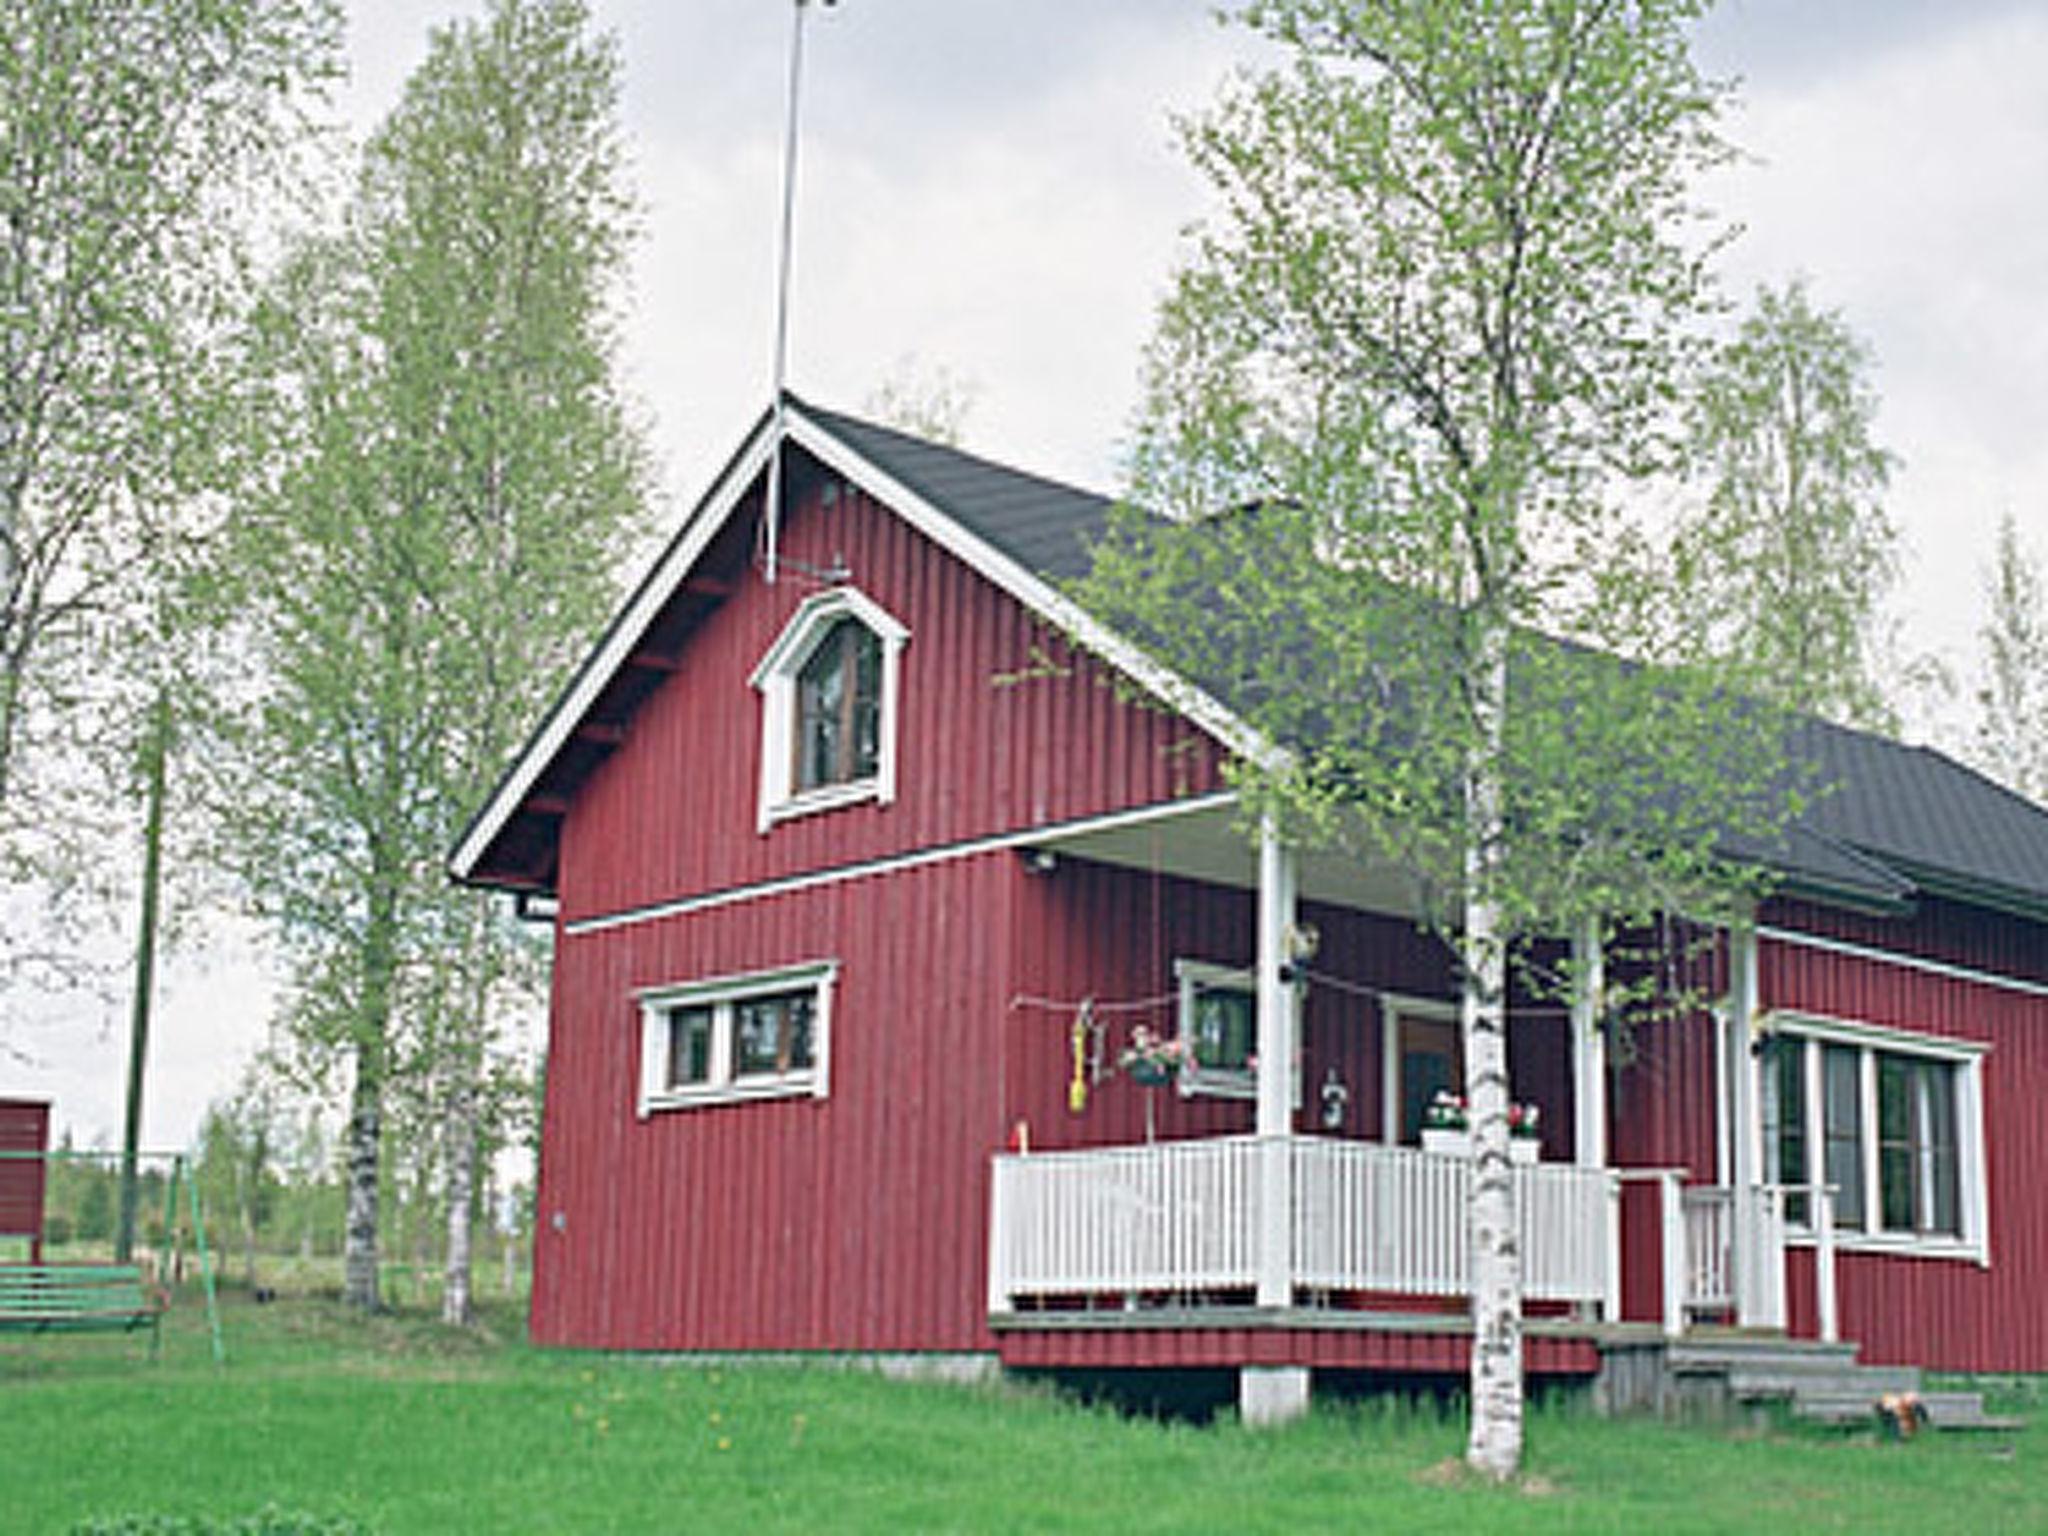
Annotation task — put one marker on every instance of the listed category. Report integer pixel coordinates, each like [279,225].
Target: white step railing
[1735,1252]
[1709,1248]
[1182,1216]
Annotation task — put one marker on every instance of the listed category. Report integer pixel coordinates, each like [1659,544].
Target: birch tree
[463,480]
[2012,699]
[1434,329]
[1788,554]
[136,139]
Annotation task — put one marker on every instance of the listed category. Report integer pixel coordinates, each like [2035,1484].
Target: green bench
[74,1298]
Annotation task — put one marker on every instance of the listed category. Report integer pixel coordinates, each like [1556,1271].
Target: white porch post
[1671,1224]
[1276,1070]
[1827,1302]
[1589,1048]
[1745,1129]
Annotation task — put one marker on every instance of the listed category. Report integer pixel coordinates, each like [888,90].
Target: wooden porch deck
[1181,1337]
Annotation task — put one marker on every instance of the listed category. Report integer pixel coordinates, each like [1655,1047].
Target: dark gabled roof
[1896,820]
[1043,525]
[1927,818]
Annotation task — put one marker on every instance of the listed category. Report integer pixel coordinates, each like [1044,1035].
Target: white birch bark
[359,1243]
[1495,1443]
[459,1143]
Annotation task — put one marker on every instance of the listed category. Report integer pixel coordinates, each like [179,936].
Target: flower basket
[1445,1142]
[1154,1060]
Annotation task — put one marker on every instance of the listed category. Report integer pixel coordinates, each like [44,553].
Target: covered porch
[1329,1249]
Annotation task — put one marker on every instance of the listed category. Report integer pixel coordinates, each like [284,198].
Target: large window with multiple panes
[762,1035]
[1891,1121]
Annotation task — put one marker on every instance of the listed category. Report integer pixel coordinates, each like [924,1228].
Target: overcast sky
[991,190]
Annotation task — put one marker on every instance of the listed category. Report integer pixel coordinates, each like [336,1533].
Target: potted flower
[1154,1060]
[1445,1129]
[1523,1132]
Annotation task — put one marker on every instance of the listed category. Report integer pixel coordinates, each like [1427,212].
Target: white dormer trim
[774,678]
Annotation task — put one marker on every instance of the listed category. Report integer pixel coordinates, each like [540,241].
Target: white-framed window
[1218,1020]
[829,687]
[764,1035]
[1894,1121]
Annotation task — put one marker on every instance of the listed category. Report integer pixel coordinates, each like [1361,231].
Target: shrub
[269,1521]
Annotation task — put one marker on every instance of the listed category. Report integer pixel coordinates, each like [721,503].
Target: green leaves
[457,478]
[1786,553]
[1436,340]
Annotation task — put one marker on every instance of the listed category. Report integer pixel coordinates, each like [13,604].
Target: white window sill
[1216,1083]
[828,797]
[798,1085]
[1897,1245]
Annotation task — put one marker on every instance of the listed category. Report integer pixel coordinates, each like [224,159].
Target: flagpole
[771,507]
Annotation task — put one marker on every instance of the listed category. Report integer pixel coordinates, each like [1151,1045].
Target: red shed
[865,879]
[24,1140]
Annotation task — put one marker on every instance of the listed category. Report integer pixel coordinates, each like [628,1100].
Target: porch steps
[1819,1383]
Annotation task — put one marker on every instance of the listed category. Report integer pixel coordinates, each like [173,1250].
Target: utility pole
[156,758]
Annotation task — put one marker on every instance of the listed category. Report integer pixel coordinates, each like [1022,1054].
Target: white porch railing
[1182,1216]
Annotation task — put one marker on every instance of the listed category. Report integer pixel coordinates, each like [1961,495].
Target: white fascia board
[610,654]
[1036,594]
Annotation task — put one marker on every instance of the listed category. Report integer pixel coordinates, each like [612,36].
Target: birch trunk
[365,1130]
[366,1103]
[459,1140]
[1495,1444]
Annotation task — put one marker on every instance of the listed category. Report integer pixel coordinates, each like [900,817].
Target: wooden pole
[156,756]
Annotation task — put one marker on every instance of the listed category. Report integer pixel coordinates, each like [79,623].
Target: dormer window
[828,695]
[839,708]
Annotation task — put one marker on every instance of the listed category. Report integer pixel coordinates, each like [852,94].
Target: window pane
[689,1046]
[773,1034]
[839,708]
[800,1017]
[1224,1027]
[865,727]
[1941,1200]
[1842,1113]
[1784,1112]
[1917,1148]
[1895,1154]
[821,696]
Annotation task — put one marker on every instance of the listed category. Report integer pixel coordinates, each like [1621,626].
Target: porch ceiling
[1210,844]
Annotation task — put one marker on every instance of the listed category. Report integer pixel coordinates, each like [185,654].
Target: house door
[1429,1058]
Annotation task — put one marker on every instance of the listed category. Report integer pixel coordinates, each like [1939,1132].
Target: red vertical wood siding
[1943,1313]
[859,1221]
[854,1221]
[24,1175]
[1113,934]
[991,739]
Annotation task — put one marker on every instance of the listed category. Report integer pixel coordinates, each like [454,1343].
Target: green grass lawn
[402,1426]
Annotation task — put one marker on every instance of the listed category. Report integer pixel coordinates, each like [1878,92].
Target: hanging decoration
[1335,1098]
[1086,1032]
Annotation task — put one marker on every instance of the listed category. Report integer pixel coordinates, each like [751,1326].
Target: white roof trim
[675,565]
[717,504]
[1034,592]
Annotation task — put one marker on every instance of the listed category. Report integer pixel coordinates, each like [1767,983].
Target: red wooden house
[862,880]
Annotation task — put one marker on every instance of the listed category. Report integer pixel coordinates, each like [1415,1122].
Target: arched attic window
[829,690]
